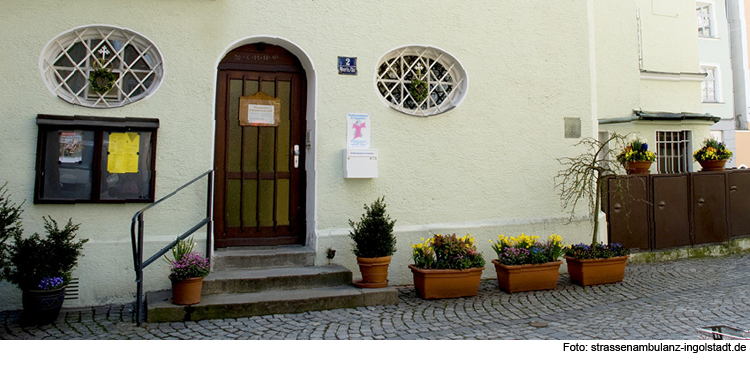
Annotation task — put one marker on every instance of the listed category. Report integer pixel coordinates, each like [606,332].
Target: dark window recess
[95,159]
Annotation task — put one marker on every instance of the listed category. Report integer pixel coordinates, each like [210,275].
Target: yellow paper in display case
[123,153]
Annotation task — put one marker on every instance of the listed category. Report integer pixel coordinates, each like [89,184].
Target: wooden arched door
[259,196]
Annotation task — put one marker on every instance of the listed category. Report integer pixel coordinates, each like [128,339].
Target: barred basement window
[673,151]
[421,81]
[70,58]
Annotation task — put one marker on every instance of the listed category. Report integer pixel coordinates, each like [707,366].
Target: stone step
[218,306]
[246,281]
[262,257]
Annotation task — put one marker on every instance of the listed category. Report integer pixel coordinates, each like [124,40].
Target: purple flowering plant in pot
[187,270]
[40,266]
[594,264]
[525,264]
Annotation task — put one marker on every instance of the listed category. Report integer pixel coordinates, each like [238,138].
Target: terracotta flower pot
[716,165]
[41,307]
[638,167]
[188,291]
[374,272]
[586,272]
[439,284]
[528,277]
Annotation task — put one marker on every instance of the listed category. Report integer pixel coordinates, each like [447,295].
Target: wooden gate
[670,210]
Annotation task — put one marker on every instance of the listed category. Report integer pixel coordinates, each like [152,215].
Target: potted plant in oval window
[374,244]
[41,267]
[636,158]
[713,155]
[446,267]
[596,264]
[187,270]
[525,264]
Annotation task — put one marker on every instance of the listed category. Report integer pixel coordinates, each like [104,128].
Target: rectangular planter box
[586,272]
[528,277]
[439,284]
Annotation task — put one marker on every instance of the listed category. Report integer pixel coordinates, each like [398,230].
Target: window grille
[703,13]
[673,151]
[444,79]
[708,85]
[71,57]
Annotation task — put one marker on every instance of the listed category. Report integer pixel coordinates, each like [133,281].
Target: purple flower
[50,283]
[191,265]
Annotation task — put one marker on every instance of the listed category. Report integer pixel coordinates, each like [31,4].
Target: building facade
[118,105]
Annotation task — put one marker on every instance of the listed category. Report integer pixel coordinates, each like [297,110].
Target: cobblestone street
[664,300]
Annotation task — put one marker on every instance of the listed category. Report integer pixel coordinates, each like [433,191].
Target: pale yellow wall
[486,167]
[618,86]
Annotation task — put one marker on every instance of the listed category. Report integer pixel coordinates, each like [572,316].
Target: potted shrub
[446,267]
[596,264]
[636,158]
[713,155]
[41,267]
[187,270]
[525,264]
[374,244]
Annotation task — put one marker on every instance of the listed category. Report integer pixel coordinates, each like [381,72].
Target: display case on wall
[95,159]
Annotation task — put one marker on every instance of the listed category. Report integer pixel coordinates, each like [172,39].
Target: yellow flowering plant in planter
[446,266]
[636,150]
[712,150]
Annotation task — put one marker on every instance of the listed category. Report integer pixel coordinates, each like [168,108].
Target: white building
[513,85]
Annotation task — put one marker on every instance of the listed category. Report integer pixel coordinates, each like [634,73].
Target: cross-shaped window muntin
[134,61]
[446,81]
[703,13]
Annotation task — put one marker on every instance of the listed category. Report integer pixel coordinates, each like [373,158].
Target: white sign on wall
[358,130]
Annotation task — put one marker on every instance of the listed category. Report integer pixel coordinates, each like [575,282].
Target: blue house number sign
[347,65]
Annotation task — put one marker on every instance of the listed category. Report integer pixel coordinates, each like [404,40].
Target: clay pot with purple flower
[596,264]
[187,270]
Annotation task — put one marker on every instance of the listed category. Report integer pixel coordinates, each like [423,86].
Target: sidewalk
[663,300]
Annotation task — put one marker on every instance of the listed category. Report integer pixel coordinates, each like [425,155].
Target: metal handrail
[136,238]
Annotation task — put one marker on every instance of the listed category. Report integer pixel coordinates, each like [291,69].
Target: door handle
[296,156]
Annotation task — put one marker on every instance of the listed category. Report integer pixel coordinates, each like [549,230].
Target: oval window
[421,80]
[101,66]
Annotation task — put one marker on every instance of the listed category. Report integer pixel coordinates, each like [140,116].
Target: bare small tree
[582,177]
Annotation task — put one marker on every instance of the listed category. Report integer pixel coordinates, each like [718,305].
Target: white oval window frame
[65,40]
[452,100]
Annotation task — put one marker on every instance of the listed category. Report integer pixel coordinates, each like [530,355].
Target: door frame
[310,115]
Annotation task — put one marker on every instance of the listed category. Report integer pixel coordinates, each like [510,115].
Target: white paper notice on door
[260,114]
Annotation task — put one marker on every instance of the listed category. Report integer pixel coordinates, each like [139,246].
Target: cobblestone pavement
[656,301]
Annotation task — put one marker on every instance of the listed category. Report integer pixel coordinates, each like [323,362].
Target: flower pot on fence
[638,167]
[41,307]
[586,272]
[439,284]
[528,277]
[188,291]
[374,272]
[715,165]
